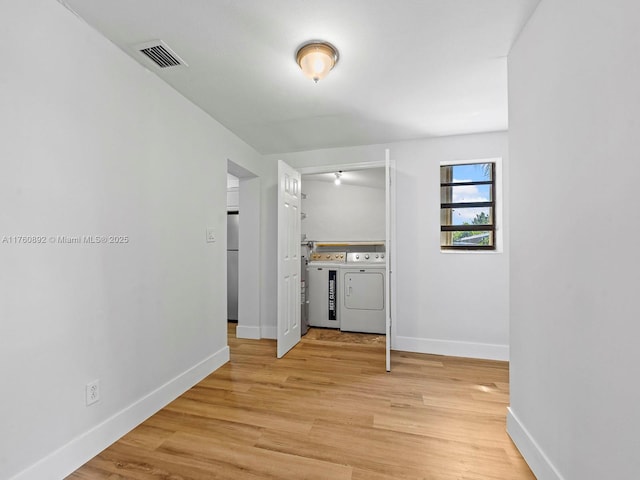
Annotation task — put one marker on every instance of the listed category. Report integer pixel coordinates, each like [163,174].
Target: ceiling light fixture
[316,59]
[338,175]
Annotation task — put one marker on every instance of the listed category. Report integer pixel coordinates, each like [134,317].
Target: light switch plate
[211,235]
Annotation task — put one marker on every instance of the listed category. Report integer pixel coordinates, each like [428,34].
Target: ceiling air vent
[159,53]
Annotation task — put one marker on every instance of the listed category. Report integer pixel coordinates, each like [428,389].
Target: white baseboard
[485,351]
[252,333]
[62,462]
[269,332]
[539,463]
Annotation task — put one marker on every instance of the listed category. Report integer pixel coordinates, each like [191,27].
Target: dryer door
[364,290]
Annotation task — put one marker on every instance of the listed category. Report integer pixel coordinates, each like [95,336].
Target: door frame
[392,251]
[390,246]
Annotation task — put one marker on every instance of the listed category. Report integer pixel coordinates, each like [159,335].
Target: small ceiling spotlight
[316,59]
[338,175]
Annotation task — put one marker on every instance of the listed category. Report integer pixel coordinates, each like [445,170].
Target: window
[467,206]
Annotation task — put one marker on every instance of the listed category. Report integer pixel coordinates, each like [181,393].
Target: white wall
[93,144]
[574,143]
[342,213]
[250,245]
[447,303]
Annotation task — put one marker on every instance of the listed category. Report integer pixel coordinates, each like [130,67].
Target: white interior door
[388,231]
[289,186]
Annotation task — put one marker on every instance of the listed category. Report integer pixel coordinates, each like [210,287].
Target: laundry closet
[343,251]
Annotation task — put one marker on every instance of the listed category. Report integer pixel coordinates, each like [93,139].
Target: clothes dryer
[362,295]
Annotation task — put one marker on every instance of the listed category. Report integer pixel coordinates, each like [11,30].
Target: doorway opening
[385,206]
[343,232]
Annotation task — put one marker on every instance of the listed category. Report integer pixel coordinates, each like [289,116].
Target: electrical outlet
[92,392]
[211,235]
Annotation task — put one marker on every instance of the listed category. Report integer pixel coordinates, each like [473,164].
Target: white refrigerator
[232,265]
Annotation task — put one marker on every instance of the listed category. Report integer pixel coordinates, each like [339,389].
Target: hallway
[326,411]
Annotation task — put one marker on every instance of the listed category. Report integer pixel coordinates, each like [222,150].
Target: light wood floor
[328,411]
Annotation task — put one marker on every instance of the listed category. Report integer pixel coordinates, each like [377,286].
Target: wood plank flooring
[327,411]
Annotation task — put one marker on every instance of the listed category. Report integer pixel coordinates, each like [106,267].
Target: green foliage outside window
[480,219]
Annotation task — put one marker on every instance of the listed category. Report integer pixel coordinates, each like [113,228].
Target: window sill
[472,252]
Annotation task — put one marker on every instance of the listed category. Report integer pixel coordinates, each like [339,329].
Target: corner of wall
[539,463]
[81,449]
[269,332]
[250,332]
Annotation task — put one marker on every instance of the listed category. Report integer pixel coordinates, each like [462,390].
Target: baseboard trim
[269,332]
[65,460]
[252,333]
[451,348]
[539,463]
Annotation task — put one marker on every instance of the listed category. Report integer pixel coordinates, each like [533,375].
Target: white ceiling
[408,68]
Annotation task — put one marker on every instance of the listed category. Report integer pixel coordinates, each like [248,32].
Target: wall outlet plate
[211,235]
[92,392]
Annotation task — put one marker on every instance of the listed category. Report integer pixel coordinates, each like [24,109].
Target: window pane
[466,239]
[474,172]
[468,223]
[465,193]
[466,216]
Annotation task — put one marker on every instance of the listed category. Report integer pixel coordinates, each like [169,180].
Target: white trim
[393,256]
[69,457]
[243,331]
[388,245]
[539,463]
[340,166]
[269,332]
[486,351]
[445,163]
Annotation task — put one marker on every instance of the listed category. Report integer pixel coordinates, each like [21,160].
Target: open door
[387,291]
[288,321]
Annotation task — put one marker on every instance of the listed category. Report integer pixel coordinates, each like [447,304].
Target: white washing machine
[323,282]
[362,293]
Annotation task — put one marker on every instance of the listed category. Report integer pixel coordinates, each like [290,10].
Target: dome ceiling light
[316,59]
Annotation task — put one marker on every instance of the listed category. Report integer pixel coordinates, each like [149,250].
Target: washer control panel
[334,257]
[366,257]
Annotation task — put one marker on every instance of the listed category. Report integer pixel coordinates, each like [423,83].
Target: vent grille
[160,54]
